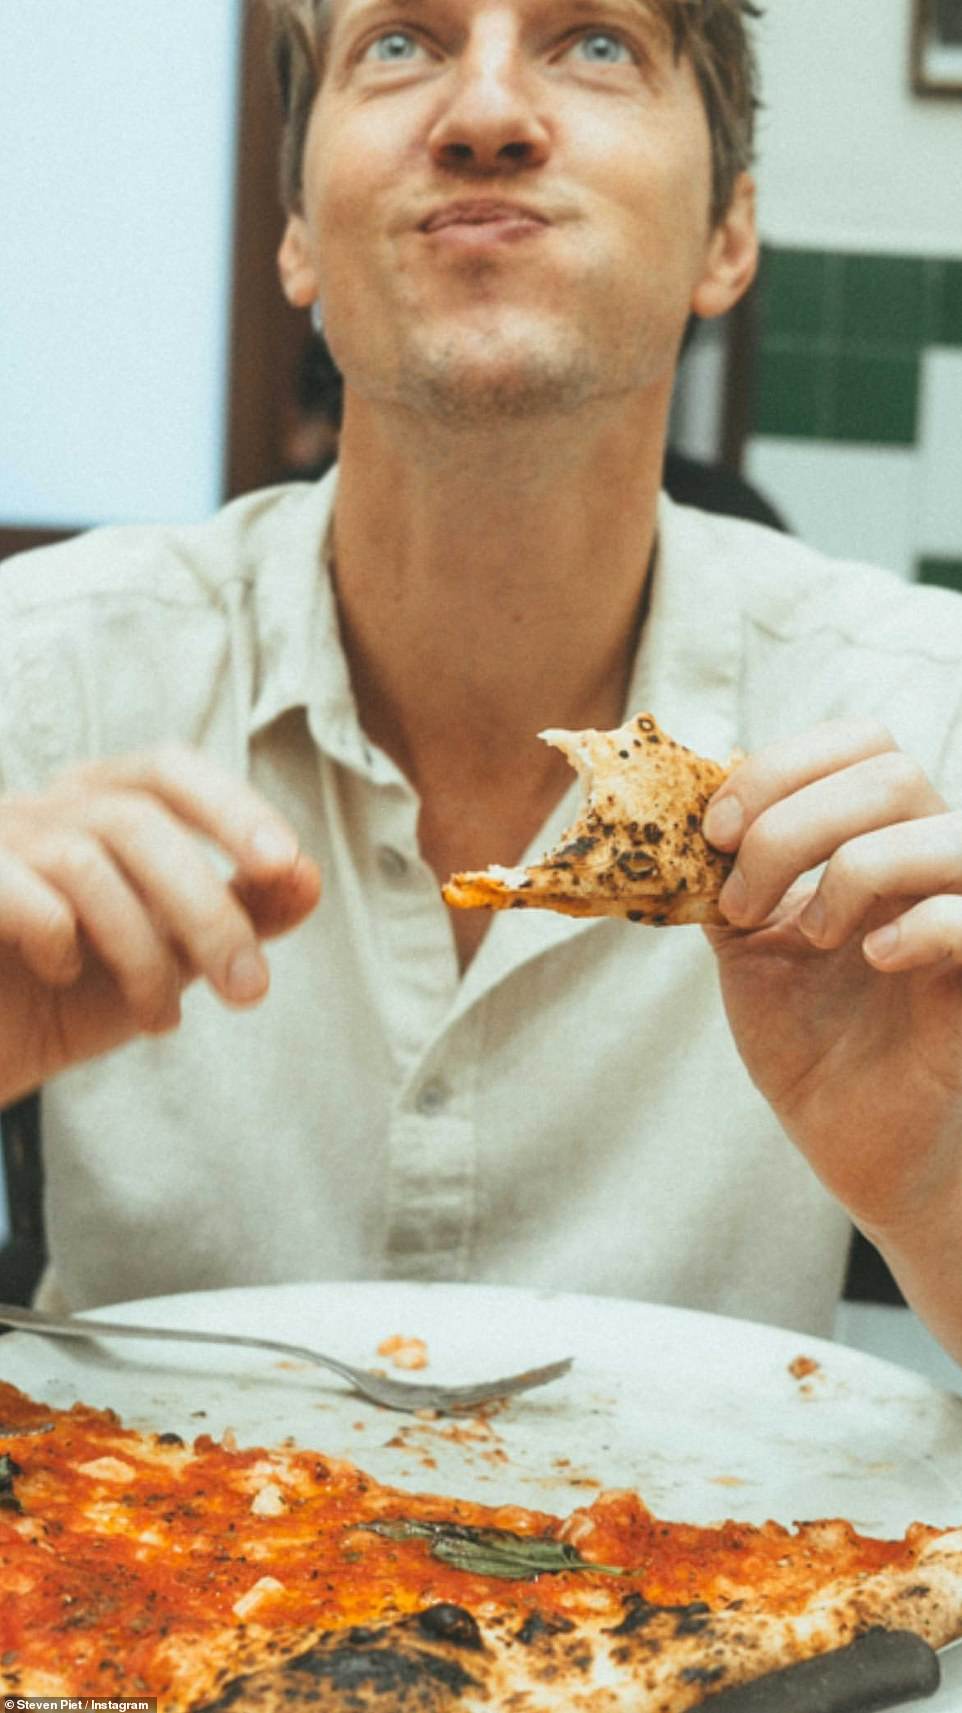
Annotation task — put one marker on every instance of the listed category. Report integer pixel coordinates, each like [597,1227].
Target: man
[506,211]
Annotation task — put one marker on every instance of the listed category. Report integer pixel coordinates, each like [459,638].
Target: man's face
[505,203]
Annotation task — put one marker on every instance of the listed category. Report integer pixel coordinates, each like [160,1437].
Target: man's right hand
[110,905]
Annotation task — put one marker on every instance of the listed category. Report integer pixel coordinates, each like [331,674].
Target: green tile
[794,293]
[884,302]
[947,573]
[949,328]
[876,399]
[934,272]
[788,399]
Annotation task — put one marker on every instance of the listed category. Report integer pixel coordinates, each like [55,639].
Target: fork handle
[68,1326]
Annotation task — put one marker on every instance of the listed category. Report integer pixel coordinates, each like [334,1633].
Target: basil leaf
[493,1552]
[8,1498]
[8,1469]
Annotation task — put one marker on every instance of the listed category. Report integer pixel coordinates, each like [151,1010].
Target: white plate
[701,1414]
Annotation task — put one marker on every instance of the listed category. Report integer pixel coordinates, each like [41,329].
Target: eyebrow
[375,6]
[633,9]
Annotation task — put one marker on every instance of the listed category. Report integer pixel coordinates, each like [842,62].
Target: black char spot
[388,1672]
[691,1626]
[640,1612]
[636,866]
[447,1623]
[535,1626]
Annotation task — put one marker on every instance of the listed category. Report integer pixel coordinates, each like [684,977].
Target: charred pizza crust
[636,851]
[653,1659]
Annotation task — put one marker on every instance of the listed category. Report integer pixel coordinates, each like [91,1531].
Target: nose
[490,121]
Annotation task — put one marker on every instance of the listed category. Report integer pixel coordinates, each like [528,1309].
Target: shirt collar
[301,660]
[687,672]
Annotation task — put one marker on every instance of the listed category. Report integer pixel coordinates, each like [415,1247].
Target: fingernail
[724,821]
[882,944]
[734,896]
[812,921]
[273,846]
[247,975]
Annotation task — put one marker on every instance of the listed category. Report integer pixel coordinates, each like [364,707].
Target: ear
[294,264]
[732,256]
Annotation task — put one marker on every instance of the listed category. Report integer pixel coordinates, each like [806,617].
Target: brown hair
[712,33]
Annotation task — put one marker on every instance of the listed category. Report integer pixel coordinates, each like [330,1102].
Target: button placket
[414,967]
[431,1191]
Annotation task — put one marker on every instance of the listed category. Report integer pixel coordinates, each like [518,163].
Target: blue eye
[395,47]
[600,47]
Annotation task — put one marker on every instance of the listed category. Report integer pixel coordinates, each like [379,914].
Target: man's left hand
[845,995]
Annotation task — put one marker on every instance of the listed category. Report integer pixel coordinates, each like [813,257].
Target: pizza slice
[636,850]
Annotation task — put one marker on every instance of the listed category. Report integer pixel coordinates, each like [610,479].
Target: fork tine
[526,1382]
[409,1395]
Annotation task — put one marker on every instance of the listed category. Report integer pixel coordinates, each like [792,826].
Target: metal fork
[393,1394]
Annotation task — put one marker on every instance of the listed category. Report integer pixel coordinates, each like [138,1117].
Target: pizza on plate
[221,1578]
[636,850]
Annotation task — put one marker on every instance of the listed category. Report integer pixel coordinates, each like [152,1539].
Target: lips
[482,213]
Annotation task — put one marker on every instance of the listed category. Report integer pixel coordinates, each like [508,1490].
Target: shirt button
[392,864]
[433,1099]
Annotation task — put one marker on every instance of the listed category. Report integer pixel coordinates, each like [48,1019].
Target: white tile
[855,502]
[939,527]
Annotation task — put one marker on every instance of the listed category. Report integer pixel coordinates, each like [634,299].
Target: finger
[118,927]
[201,792]
[916,859]
[37,919]
[819,820]
[786,913]
[785,766]
[928,934]
[276,905]
[191,902]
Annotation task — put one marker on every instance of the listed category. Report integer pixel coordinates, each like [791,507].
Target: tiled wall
[857,422]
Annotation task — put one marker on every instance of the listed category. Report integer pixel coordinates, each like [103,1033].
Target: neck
[492,583]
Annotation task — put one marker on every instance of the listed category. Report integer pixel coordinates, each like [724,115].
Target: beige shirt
[572,1113]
